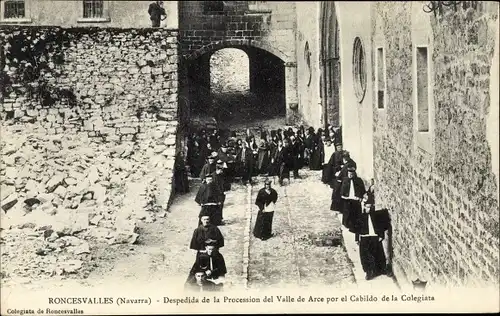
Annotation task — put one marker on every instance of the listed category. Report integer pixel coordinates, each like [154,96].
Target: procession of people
[219,158]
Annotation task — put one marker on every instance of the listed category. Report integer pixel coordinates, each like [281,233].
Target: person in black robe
[263,155]
[335,177]
[218,179]
[156,11]
[382,220]
[254,149]
[266,201]
[369,236]
[295,146]
[309,145]
[210,198]
[181,182]
[206,231]
[245,162]
[211,262]
[273,155]
[285,161]
[317,153]
[200,282]
[279,134]
[214,140]
[327,173]
[209,167]
[301,137]
[352,190]
[228,160]
[347,160]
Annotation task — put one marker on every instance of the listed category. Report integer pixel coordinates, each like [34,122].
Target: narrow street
[292,257]
[289,259]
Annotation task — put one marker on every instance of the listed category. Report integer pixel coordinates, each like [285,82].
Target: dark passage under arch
[265,97]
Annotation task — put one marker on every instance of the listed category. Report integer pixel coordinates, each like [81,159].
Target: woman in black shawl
[266,200]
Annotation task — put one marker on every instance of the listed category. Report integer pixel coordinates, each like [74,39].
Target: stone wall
[94,149]
[443,200]
[265,25]
[270,25]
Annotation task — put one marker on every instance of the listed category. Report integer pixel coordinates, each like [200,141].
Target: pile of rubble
[60,196]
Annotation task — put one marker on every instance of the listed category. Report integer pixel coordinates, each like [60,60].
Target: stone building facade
[264,30]
[417,95]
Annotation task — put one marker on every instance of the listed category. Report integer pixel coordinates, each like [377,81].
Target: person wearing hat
[296,147]
[369,236]
[219,180]
[200,282]
[266,202]
[210,198]
[309,145]
[334,177]
[285,161]
[205,231]
[352,190]
[301,137]
[327,173]
[212,262]
[244,161]
[209,167]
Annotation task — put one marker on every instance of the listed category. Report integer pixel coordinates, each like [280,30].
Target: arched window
[359,69]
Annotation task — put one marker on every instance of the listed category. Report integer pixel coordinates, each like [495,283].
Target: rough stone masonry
[444,203]
[98,157]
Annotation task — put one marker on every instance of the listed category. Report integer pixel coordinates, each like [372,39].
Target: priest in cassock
[218,179]
[369,236]
[327,173]
[210,198]
[204,232]
[352,190]
[266,201]
[244,160]
[181,182]
[212,262]
[296,148]
[336,164]
[209,167]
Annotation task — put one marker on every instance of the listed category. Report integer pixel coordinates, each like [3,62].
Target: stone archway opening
[237,84]
[229,71]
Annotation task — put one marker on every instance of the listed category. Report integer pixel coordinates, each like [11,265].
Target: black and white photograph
[172,157]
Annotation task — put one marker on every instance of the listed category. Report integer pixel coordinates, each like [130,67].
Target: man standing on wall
[156,11]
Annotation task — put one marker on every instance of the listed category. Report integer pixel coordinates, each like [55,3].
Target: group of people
[277,153]
[219,158]
[371,225]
